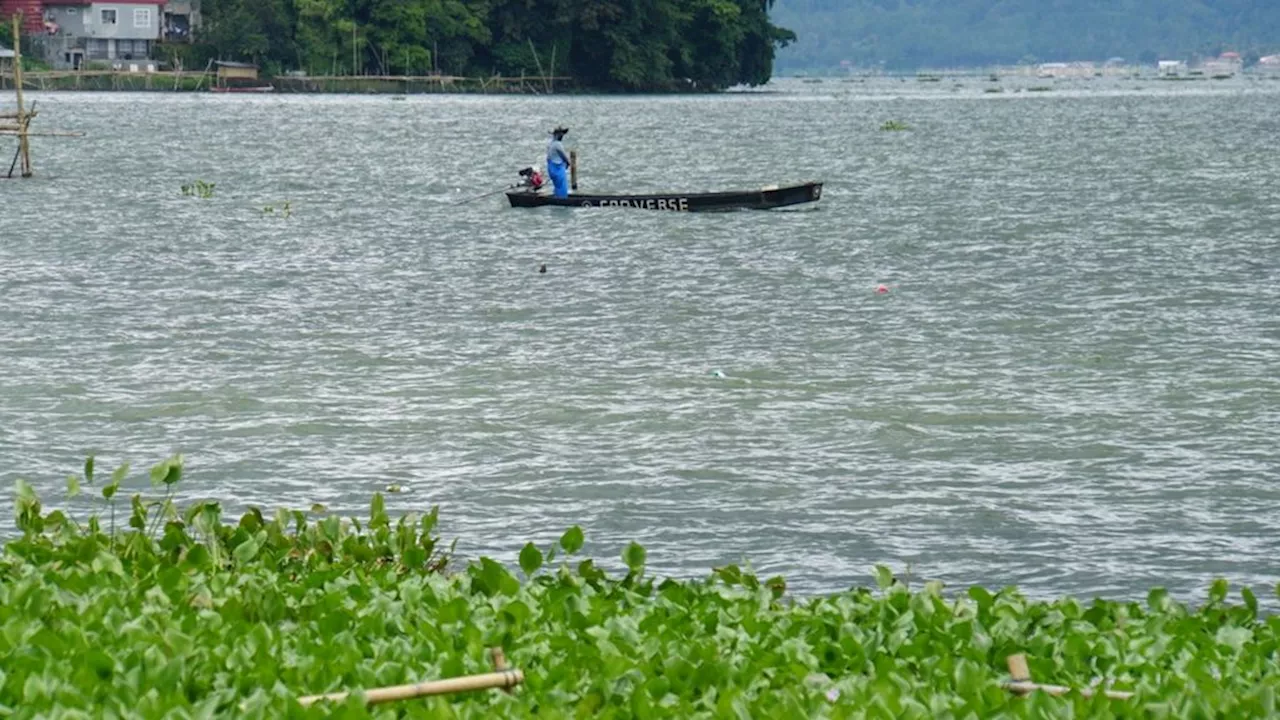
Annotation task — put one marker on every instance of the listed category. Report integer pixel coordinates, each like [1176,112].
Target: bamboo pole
[22,117]
[500,664]
[1021,684]
[24,122]
[573,169]
[505,678]
[551,83]
[535,57]
[51,133]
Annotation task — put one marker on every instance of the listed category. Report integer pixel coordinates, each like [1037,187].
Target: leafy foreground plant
[182,615]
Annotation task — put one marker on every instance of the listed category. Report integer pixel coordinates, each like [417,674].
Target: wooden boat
[762,199]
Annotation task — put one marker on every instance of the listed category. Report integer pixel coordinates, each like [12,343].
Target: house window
[142,17]
[109,17]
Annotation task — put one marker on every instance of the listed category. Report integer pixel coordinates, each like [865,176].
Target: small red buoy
[882,289]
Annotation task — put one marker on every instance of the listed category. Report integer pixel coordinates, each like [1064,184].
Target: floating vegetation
[1039,88]
[286,210]
[894,126]
[199,188]
[993,90]
[181,612]
[929,78]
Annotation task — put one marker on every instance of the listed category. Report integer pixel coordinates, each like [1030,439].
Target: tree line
[908,34]
[601,44]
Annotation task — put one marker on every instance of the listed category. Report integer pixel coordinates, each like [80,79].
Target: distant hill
[905,34]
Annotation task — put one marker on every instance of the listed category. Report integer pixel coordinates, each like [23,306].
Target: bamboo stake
[535,57]
[500,663]
[24,146]
[1021,684]
[466,683]
[573,169]
[505,678]
[551,83]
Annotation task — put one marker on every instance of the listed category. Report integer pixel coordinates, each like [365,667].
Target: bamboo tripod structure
[505,678]
[1020,682]
[22,118]
[21,125]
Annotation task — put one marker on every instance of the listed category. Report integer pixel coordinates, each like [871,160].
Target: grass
[148,609]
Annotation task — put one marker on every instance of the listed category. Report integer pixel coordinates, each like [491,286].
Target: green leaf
[530,559]
[884,577]
[1218,591]
[572,540]
[494,579]
[634,557]
[88,470]
[777,585]
[117,477]
[378,512]
[26,494]
[174,471]
[1250,601]
[73,486]
[430,519]
[518,611]
[245,551]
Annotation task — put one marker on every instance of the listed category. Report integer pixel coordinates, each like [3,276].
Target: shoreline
[168,81]
[190,82]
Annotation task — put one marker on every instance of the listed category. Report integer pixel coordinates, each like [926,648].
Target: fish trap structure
[18,123]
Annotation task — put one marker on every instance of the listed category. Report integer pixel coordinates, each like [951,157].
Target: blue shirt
[556,154]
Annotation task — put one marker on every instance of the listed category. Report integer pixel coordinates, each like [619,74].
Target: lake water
[1073,384]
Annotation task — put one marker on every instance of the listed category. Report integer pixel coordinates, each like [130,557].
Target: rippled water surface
[1072,385]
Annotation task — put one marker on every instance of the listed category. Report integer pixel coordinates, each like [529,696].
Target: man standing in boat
[558,162]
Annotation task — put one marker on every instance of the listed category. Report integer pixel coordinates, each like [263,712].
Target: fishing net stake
[1020,682]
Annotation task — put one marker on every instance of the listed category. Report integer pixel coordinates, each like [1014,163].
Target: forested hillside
[603,44]
[905,34]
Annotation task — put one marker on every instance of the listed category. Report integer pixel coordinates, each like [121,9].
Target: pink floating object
[882,289]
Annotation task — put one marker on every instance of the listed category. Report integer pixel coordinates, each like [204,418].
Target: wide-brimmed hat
[560,130]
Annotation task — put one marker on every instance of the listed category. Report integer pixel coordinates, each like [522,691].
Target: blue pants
[559,179]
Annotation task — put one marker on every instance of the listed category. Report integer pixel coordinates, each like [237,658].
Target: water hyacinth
[177,613]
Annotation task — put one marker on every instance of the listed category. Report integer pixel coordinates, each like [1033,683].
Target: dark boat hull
[679,202]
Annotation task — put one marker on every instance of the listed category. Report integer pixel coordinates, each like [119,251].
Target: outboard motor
[531,179]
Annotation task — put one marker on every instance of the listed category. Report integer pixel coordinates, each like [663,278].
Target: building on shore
[1066,70]
[1225,65]
[120,34]
[181,21]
